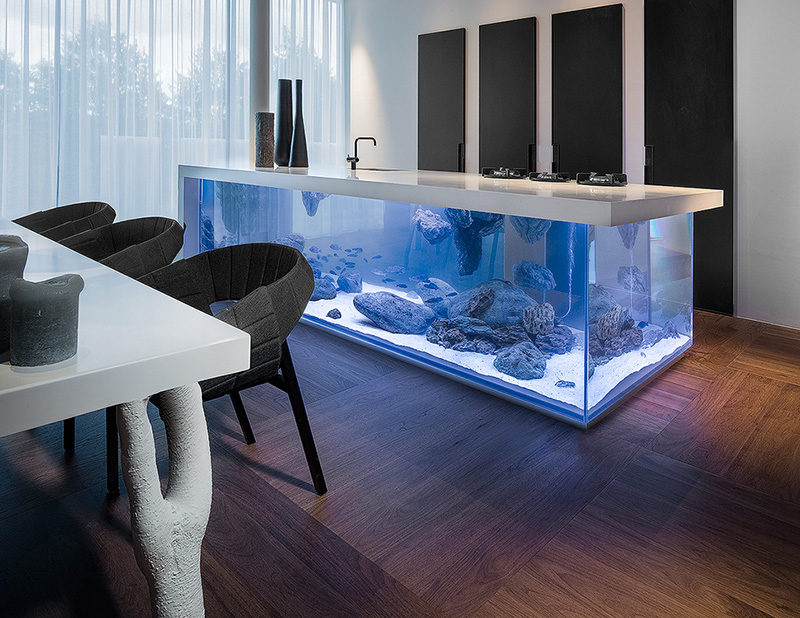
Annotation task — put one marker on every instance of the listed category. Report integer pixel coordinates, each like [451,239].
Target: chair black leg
[69,436]
[244,422]
[301,418]
[112,452]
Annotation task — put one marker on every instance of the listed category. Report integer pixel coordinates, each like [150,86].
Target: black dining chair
[134,248]
[65,221]
[271,285]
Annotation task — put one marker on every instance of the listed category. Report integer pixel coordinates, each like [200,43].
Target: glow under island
[558,296]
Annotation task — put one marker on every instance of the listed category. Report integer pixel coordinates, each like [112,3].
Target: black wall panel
[689,125]
[441,100]
[507,94]
[587,90]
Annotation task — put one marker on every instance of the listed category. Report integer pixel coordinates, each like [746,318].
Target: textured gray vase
[44,320]
[13,256]
[265,139]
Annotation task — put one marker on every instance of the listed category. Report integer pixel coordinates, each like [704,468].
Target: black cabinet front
[441,100]
[507,94]
[587,90]
[689,125]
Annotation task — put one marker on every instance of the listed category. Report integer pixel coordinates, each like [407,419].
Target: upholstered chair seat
[65,221]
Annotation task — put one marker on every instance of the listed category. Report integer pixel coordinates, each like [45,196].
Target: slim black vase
[283,137]
[299,148]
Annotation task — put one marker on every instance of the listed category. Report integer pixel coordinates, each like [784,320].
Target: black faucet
[354,159]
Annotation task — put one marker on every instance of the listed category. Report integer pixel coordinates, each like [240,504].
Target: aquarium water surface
[565,318]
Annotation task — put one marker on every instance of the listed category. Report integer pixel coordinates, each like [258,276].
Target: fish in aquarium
[402,285]
[334,246]
[377,257]
[395,269]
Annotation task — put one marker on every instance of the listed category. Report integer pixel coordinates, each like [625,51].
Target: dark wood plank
[665,539]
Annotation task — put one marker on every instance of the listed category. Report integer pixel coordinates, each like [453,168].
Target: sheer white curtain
[102,99]
[307,39]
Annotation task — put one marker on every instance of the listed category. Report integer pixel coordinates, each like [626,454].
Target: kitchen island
[559,296]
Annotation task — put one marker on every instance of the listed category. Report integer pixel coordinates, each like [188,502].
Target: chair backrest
[134,247]
[65,221]
[231,273]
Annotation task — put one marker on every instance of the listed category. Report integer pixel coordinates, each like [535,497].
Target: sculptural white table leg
[168,529]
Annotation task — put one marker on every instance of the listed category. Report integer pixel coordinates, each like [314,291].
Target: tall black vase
[283,137]
[299,148]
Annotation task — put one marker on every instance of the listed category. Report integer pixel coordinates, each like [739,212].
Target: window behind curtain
[307,43]
[102,99]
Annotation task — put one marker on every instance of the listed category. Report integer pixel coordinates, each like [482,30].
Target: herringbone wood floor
[447,501]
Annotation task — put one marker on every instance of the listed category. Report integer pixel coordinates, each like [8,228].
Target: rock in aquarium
[324,289]
[507,303]
[559,341]
[311,200]
[628,234]
[394,314]
[632,279]
[432,227]
[531,230]
[437,295]
[334,314]
[350,281]
[296,241]
[462,334]
[539,319]
[522,361]
[469,229]
[533,276]
[600,301]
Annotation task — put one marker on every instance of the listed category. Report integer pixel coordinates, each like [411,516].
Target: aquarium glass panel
[562,317]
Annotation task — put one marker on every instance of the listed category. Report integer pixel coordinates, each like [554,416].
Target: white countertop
[557,201]
[132,342]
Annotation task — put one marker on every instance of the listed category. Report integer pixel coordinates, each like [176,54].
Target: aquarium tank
[564,318]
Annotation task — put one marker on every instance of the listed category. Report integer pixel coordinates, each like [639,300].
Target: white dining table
[134,342]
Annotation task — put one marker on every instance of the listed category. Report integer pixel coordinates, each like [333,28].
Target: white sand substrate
[567,367]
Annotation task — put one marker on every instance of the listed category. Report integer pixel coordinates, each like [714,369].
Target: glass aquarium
[564,318]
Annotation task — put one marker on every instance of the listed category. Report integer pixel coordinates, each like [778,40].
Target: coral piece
[350,281]
[531,230]
[394,314]
[632,279]
[532,275]
[469,250]
[432,227]
[670,330]
[559,341]
[612,323]
[334,314]
[168,529]
[324,289]
[506,307]
[539,319]
[522,361]
[311,200]
[589,366]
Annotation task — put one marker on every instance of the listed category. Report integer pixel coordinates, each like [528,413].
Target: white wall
[383,103]
[768,166]
[383,72]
